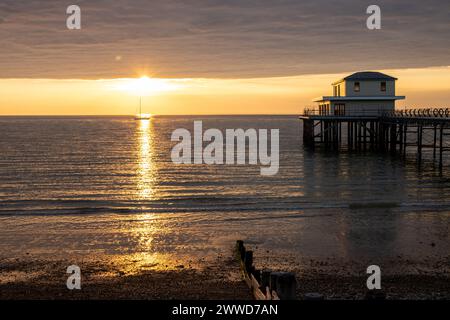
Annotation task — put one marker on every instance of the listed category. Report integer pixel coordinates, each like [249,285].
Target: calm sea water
[106,185]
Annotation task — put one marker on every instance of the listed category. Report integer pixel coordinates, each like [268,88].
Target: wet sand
[221,279]
[40,279]
[401,278]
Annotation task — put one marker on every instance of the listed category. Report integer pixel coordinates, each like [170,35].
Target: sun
[145,86]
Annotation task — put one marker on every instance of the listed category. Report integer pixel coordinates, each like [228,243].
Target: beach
[222,280]
[103,194]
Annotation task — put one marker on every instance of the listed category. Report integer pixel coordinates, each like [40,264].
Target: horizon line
[153,115]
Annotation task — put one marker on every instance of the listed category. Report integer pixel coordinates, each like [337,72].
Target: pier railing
[364,112]
[380,112]
[419,113]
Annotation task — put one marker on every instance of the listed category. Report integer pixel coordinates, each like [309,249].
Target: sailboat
[140,115]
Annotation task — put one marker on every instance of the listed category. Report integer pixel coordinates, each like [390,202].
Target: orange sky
[423,87]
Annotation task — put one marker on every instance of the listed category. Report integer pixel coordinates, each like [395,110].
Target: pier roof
[358,98]
[367,75]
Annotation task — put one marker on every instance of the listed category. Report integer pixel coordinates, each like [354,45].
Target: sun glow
[285,95]
[145,86]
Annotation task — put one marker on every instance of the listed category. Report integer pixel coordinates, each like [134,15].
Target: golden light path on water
[146,170]
[146,226]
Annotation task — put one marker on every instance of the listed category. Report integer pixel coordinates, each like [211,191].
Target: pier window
[324,109]
[356,87]
[337,90]
[383,86]
[339,109]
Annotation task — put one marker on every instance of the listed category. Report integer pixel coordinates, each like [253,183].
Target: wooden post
[434,141]
[308,133]
[372,136]
[376,125]
[359,135]
[265,278]
[365,135]
[388,136]
[336,135]
[441,135]
[273,280]
[321,131]
[349,135]
[419,142]
[405,136]
[286,286]
[331,134]
[248,261]
[377,137]
[380,136]
[240,249]
[393,138]
[256,273]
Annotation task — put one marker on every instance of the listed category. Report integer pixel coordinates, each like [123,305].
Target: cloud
[218,38]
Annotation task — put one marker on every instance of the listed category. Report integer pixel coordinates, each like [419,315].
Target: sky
[214,56]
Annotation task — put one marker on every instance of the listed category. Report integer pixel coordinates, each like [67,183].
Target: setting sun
[145,86]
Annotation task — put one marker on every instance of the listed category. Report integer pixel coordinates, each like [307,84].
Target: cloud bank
[218,38]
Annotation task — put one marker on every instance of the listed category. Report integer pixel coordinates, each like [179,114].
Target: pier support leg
[434,140]
[405,141]
[441,146]
[419,143]
[365,135]
[372,136]
[308,133]
[359,135]
[393,138]
[349,135]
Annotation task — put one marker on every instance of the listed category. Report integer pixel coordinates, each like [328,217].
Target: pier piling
[387,132]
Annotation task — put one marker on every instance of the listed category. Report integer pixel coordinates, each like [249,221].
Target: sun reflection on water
[147,255]
[146,169]
[146,226]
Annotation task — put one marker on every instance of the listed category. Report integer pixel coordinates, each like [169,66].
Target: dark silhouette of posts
[386,133]
[419,143]
[441,147]
[393,138]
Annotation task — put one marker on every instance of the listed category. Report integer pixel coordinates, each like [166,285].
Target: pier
[390,131]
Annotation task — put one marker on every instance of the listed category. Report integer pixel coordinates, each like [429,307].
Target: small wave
[288,216]
[373,205]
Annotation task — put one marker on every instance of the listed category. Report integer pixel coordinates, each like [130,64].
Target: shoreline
[32,279]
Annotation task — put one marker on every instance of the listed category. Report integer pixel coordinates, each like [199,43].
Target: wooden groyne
[265,284]
[389,132]
[270,285]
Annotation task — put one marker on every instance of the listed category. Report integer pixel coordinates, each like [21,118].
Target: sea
[88,187]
